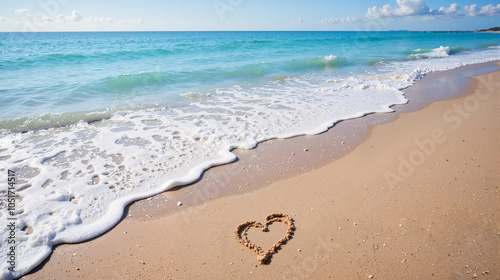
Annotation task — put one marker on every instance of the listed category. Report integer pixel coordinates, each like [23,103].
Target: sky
[209,15]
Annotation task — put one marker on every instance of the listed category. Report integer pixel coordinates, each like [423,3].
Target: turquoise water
[93,121]
[106,72]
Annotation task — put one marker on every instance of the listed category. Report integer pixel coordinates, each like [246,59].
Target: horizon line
[76,31]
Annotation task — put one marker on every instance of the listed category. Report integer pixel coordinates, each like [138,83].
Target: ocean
[91,121]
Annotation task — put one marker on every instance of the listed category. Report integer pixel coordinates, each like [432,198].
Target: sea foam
[330,57]
[432,53]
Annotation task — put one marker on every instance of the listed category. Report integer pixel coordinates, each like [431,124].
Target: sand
[417,198]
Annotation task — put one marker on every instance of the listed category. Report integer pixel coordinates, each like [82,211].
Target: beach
[416,198]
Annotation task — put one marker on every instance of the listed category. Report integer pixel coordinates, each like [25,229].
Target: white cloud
[349,19]
[490,10]
[77,18]
[405,8]
[299,20]
[329,20]
[337,20]
[452,10]
[92,19]
[132,21]
[74,17]
[385,11]
[44,19]
[472,10]
[21,11]
[485,11]
[411,8]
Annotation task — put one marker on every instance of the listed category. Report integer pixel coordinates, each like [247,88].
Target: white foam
[330,57]
[434,53]
[195,95]
[78,179]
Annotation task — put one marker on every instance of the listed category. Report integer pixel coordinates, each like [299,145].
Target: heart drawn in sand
[240,234]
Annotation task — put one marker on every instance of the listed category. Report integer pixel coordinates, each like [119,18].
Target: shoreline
[60,250]
[338,141]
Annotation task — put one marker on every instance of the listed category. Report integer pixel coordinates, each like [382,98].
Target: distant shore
[490,30]
[458,31]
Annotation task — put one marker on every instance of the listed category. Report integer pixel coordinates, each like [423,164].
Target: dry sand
[417,199]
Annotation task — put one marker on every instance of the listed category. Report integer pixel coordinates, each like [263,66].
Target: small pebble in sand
[143,262]
[306,150]
[231,263]
[355,224]
[293,154]
[298,250]
[343,142]
[179,203]
[340,228]
[74,254]
[370,276]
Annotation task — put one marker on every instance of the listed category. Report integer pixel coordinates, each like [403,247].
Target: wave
[430,53]
[239,44]
[457,49]
[195,95]
[51,120]
[48,58]
[131,81]
[379,61]
[435,53]
[493,44]
[317,63]
[126,82]
[131,86]
[330,57]
[61,56]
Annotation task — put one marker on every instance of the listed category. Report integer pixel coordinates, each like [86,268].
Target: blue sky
[173,15]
